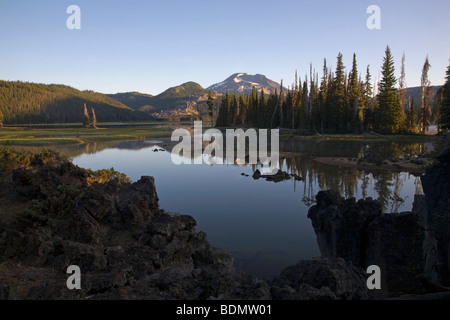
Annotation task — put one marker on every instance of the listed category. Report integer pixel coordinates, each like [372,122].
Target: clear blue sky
[148,46]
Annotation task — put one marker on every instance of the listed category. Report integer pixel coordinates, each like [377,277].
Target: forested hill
[170,99]
[23,102]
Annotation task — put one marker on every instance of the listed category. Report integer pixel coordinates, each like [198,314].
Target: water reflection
[263,224]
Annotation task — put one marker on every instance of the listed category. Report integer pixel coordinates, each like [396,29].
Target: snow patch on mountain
[244,82]
[237,79]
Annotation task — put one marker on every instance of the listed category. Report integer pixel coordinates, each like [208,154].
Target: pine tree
[316,116]
[437,103]
[210,104]
[323,93]
[354,116]
[402,86]
[86,120]
[303,105]
[289,109]
[234,109]
[243,106]
[311,93]
[292,121]
[445,105]
[336,99]
[1,120]
[311,99]
[262,105]
[426,97]
[366,102]
[281,104]
[411,117]
[252,112]
[94,119]
[389,117]
[271,105]
[223,111]
[298,104]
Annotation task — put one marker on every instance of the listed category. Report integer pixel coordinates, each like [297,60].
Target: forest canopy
[24,103]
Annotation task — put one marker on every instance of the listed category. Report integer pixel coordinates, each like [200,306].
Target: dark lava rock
[341,225]
[277,177]
[256,174]
[411,248]
[417,161]
[371,157]
[6,293]
[320,279]
[436,186]
[444,157]
[138,202]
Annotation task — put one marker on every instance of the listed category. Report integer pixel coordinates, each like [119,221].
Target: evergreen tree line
[22,102]
[340,102]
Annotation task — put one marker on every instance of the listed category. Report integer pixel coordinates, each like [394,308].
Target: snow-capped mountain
[243,83]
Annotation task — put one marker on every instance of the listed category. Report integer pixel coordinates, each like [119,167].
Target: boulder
[257,174]
[138,202]
[371,157]
[341,225]
[436,219]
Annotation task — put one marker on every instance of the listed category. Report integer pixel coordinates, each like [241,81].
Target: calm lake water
[263,224]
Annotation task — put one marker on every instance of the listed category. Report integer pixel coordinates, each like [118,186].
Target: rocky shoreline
[56,214]
[415,166]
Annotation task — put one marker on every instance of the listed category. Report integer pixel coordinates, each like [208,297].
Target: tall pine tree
[352,115]
[402,84]
[389,117]
[445,105]
[323,93]
[336,100]
[367,102]
[303,105]
[426,97]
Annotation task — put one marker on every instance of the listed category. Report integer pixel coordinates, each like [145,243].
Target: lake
[263,224]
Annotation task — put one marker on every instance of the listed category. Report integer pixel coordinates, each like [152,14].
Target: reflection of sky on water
[263,224]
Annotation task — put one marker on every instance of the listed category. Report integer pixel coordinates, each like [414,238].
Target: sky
[149,46]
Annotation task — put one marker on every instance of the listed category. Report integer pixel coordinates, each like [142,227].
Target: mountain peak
[244,82]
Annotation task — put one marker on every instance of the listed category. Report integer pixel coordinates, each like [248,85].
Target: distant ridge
[135,100]
[169,99]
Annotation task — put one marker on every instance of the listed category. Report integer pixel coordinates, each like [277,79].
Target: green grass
[62,135]
[21,136]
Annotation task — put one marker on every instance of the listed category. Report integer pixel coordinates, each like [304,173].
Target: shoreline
[130,248]
[387,165]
